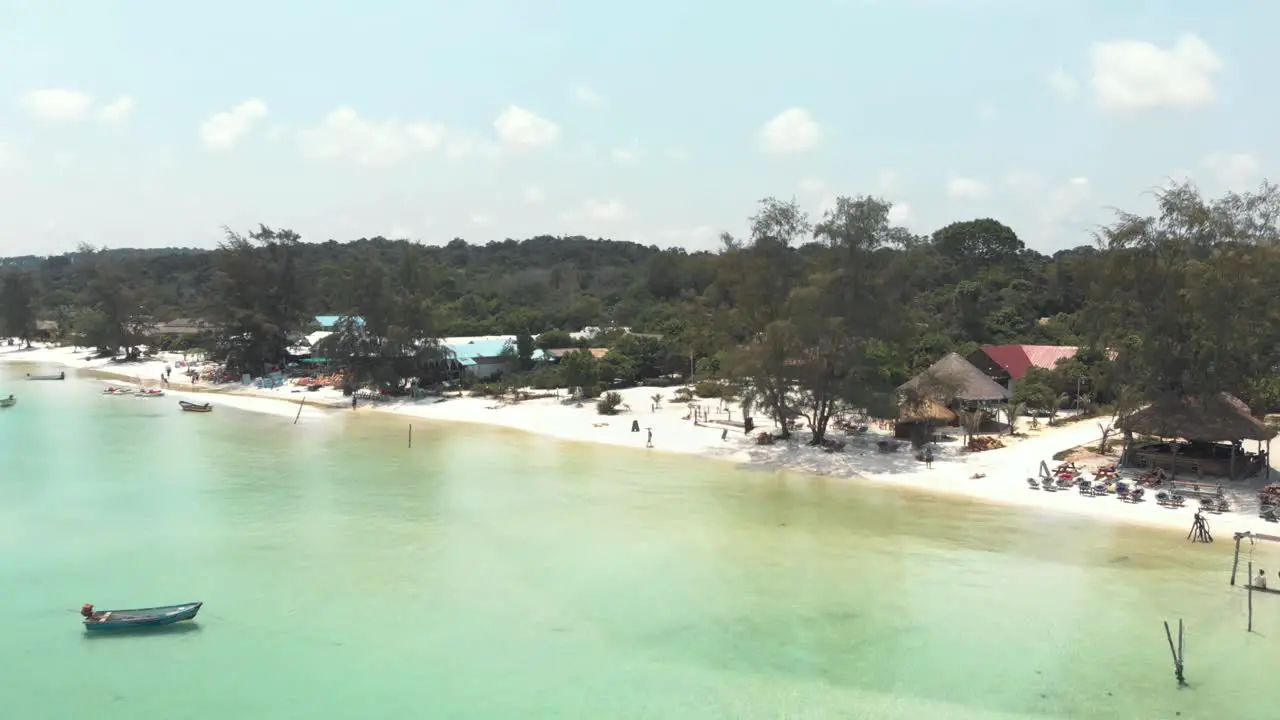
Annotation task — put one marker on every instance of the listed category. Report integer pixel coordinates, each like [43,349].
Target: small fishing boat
[193,407]
[59,376]
[118,391]
[8,402]
[150,392]
[141,618]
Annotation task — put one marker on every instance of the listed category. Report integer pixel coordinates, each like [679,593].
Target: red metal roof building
[1011,362]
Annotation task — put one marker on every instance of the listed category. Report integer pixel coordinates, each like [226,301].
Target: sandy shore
[1004,470]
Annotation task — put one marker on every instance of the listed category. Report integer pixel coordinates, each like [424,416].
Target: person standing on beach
[928,457]
[649,442]
[1260,581]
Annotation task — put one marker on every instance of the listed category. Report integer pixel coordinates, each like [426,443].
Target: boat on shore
[195,407]
[95,620]
[8,402]
[118,391]
[150,392]
[59,376]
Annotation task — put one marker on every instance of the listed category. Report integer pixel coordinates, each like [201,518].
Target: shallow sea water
[491,574]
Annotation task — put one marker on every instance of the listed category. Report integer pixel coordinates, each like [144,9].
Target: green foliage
[609,403]
[581,372]
[18,305]
[708,389]
[801,317]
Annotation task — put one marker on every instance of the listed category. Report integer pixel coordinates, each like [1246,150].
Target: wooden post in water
[1235,564]
[300,404]
[410,434]
[1176,652]
[1250,628]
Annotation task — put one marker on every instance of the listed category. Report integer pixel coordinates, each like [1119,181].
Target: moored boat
[138,618]
[59,376]
[150,392]
[194,407]
[8,402]
[118,391]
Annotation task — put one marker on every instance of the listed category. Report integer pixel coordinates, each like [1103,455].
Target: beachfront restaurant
[936,394]
[1198,437]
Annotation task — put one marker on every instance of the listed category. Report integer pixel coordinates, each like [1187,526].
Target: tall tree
[1189,294]
[262,296]
[18,305]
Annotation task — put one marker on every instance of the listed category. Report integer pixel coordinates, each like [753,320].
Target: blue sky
[141,123]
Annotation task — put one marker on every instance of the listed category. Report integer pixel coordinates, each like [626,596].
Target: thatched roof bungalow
[925,410]
[954,378]
[1216,418]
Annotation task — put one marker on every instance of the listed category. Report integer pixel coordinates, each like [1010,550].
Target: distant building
[484,356]
[328,322]
[1007,364]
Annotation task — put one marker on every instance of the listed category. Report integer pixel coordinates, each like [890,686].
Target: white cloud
[56,104]
[1135,75]
[1020,180]
[627,154]
[521,128]
[700,236]
[116,111]
[597,211]
[963,188]
[226,129]
[586,97]
[1235,171]
[344,135]
[481,220]
[900,214]
[789,132]
[533,195]
[888,182]
[678,154]
[812,186]
[1063,85]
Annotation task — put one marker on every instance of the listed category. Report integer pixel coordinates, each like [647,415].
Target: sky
[137,123]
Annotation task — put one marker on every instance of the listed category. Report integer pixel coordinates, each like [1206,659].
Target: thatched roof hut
[954,378]
[925,411]
[1215,418]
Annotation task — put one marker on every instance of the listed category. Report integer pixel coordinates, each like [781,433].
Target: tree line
[802,316]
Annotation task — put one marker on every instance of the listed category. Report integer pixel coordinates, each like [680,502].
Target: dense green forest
[842,307]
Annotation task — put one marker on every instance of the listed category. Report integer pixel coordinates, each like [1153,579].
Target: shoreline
[1004,469]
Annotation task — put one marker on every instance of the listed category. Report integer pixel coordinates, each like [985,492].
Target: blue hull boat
[98,620]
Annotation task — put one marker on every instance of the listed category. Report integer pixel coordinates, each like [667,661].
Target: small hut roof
[954,378]
[925,410]
[1215,418]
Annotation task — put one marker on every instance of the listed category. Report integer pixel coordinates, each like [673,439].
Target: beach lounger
[1033,483]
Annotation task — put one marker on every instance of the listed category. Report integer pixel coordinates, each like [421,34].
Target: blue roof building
[328,321]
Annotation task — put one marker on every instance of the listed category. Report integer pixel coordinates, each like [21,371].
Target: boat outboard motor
[87,610]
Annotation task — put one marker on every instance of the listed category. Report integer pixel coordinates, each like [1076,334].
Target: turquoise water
[488,574]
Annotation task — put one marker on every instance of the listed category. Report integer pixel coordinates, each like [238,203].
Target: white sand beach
[1003,472]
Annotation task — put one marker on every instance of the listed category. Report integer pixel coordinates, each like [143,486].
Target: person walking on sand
[928,457]
[649,442]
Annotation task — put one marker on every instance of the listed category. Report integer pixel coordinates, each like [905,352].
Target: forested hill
[845,306]
[571,282]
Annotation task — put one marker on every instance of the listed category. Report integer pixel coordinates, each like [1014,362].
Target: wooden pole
[410,434]
[1177,657]
[300,404]
[1250,596]
[1235,564]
